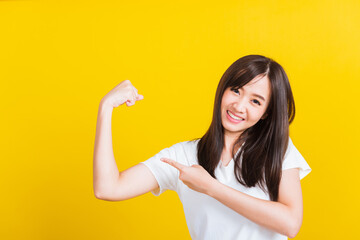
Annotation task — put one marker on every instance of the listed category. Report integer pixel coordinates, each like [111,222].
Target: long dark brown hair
[263,145]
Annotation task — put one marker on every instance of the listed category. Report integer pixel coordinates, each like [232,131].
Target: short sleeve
[166,175]
[293,159]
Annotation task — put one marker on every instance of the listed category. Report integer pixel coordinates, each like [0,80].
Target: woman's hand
[123,92]
[195,176]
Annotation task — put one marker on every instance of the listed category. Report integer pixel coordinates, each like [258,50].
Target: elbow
[292,234]
[104,197]
[294,228]
[99,195]
[101,192]
[109,192]
[108,197]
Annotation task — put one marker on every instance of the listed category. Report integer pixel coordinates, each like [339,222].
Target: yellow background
[59,58]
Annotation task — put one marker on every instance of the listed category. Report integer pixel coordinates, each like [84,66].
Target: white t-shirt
[207,218]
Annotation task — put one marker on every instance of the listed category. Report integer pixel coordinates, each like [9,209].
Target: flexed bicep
[132,182]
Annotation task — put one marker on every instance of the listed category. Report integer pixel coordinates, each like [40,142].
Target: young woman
[241,180]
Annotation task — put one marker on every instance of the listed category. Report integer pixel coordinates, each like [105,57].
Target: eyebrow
[254,94]
[259,96]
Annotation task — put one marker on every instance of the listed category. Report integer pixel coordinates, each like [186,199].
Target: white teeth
[234,117]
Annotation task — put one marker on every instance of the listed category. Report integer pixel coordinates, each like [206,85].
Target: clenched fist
[123,92]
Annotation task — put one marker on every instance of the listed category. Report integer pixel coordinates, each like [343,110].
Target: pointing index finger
[173,163]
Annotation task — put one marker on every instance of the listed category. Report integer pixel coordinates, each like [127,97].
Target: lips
[233,117]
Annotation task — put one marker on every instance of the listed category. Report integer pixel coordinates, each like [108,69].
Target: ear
[264,116]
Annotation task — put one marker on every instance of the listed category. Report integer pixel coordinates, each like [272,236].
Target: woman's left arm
[283,216]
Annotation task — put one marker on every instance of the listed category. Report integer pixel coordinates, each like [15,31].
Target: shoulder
[292,152]
[294,159]
[185,145]
[185,152]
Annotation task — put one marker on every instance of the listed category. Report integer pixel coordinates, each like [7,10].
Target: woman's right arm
[110,184]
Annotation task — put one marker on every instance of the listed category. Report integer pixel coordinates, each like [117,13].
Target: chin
[233,129]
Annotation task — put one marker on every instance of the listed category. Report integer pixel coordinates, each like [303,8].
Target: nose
[240,106]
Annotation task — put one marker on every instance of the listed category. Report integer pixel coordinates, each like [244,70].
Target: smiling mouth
[234,117]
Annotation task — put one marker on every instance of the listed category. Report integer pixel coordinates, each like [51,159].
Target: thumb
[139,97]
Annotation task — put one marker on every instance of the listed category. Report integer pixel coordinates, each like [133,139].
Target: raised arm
[108,183]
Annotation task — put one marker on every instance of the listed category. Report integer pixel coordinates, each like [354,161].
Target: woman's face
[244,107]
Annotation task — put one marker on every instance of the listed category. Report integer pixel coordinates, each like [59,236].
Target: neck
[229,141]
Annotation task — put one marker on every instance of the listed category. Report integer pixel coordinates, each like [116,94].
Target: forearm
[272,215]
[104,166]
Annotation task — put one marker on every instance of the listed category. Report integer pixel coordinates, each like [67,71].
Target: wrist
[105,108]
[213,188]
[105,104]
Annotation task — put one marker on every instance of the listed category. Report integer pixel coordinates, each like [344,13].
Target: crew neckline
[232,160]
[222,165]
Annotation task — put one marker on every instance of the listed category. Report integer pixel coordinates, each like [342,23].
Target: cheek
[256,114]
[224,102]
[228,99]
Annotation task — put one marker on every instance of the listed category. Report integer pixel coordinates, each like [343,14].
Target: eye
[236,90]
[256,102]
